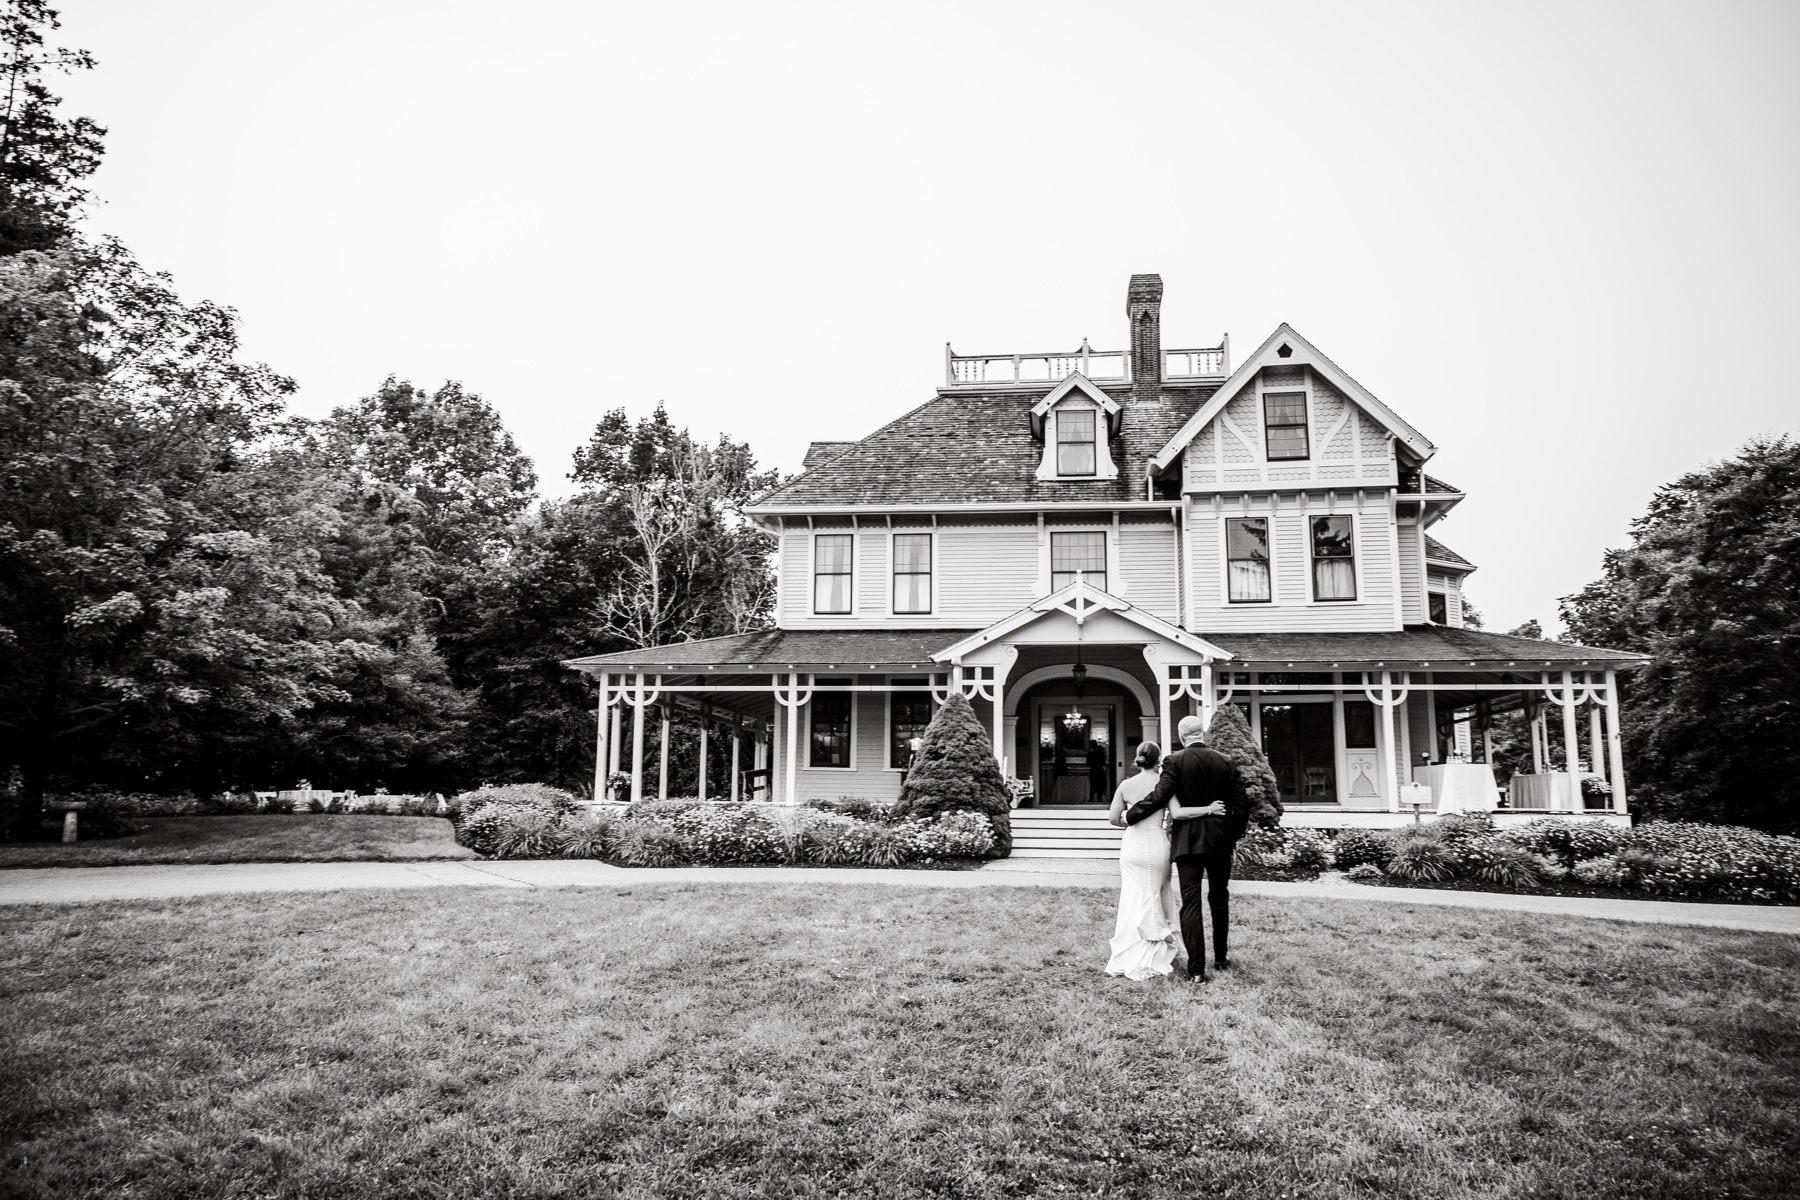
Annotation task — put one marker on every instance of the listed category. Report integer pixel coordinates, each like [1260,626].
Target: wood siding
[1412,572]
[1292,606]
[980,573]
[1147,563]
[1346,446]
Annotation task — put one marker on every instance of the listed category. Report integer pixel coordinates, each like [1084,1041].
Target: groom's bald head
[1191,730]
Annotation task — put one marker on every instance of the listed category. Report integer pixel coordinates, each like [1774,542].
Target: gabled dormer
[1290,417]
[1076,422]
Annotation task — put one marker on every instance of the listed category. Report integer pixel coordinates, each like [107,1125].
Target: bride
[1149,925]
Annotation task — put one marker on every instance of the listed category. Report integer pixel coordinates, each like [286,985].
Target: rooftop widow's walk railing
[1101,366]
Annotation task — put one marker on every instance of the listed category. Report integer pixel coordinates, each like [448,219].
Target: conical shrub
[955,771]
[1229,734]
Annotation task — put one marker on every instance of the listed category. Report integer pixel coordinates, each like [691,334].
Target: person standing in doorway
[1098,774]
[1209,810]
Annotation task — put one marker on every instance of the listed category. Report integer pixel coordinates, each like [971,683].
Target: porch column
[662,758]
[793,741]
[600,746]
[1571,730]
[1162,707]
[737,787]
[1540,752]
[1209,699]
[1615,748]
[701,790]
[1390,747]
[615,745]
[1596,757]
[1002,744]
[637,743]
[1009,734]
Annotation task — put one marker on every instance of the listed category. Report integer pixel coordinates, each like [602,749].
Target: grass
[733,1040]
[293,837]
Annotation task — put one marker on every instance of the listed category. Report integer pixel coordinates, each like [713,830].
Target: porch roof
[1442,646]
[786,650]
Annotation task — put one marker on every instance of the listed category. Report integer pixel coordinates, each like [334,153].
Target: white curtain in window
[1335,578]
[1249,579]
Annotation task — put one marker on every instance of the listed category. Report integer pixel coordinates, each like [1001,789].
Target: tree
[1710,588]
[954,770]
[143,571]
[43,157]
[1229,734]
[652,549]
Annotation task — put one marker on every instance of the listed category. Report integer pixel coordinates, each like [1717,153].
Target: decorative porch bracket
[1387,702]
[640,697]
[611,692]
[792,699]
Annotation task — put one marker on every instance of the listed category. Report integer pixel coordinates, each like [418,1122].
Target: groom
[1215,811]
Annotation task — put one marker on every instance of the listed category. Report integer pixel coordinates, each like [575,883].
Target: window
[1247,559]
[828,742]
[1334,559]
[831,572]
[1075,452]
[912,572]
[1284,423]
[1077,552]
[1439,606]
[908,715]
[1359,725]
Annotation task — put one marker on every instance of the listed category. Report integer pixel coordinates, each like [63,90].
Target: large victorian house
[1092,544]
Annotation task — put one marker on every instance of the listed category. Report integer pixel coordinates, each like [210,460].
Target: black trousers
[1215,870]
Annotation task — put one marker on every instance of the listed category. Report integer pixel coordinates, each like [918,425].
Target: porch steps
[1064,833]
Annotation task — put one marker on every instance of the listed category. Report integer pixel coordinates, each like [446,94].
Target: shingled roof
[1443,646]
[961,449]
[1436,551]
[770,649]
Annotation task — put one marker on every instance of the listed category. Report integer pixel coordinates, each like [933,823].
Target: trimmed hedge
[671,833]
[1667,858]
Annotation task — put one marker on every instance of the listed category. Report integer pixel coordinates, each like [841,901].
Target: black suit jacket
[1198,776]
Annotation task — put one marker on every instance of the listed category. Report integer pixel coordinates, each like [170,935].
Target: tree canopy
[1710,588]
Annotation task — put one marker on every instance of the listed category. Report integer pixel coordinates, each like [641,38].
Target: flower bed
[690,832]
[1573,856]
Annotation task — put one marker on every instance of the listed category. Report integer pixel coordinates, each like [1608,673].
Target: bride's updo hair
[1148,755]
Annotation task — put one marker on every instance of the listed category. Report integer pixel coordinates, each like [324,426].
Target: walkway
[74,885]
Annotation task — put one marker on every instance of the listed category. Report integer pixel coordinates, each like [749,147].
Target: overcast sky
[1560,239]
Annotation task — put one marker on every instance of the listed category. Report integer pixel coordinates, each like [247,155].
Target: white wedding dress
[1149,922]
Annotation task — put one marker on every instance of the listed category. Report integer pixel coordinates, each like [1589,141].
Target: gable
[1339,422]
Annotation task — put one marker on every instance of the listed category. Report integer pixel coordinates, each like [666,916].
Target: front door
[1075,752]
[1302,750]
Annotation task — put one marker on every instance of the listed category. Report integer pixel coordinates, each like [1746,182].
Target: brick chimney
[1143,304]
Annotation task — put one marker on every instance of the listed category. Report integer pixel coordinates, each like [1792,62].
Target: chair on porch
[755,779]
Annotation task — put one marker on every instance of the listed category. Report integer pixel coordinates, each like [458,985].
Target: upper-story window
[1438,606]
[832,560]
[1284,424]
[1075,450]
[1333,558]
[912,572]
[1247,559]
[1071,553]
[828,741]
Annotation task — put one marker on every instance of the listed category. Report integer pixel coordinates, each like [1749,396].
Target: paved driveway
[74,885]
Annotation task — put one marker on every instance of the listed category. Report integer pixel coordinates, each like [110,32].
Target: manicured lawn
[296,837]
[737,1040]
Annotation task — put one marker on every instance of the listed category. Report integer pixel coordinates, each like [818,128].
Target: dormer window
[1284,424]
[1075,449]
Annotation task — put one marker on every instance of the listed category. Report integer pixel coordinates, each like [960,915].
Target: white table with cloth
[1460,787]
